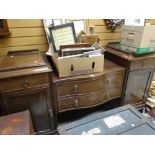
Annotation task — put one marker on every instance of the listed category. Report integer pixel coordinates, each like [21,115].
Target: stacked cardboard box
[138,39]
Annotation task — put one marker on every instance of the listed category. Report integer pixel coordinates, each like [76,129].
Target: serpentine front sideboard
[89,90]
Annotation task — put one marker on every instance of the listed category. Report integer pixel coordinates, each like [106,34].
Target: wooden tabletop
[16,124]
[115,48]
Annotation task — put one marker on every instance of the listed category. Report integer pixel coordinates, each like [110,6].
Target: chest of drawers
[88,90]
[25,84]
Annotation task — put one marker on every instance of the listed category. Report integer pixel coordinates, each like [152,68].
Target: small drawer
[23,82]
[142,64]
[84,101]
[88,86]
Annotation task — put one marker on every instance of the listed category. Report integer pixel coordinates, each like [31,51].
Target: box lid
[18,63]
[18,60]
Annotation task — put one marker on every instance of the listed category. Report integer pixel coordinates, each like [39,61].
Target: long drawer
[83,101]
[88,86]
[23,82]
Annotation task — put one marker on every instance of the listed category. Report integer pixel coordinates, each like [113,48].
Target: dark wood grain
[25,84]
[86,91]
[16,124]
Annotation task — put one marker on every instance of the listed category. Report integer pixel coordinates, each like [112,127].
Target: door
[38,101]
[137,86]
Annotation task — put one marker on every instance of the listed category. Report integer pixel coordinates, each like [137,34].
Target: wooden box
[125,120]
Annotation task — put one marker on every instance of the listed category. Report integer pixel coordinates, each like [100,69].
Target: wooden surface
[89,90]
[16,124]
[116,49]
[12,62]
[138,76]
[25,84]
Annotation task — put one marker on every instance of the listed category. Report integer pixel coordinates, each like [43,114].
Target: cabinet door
[137,86]
[38,101]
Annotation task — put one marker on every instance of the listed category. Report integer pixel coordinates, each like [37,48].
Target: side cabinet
[38,101]
[138,75]
[26,84]
[137,87]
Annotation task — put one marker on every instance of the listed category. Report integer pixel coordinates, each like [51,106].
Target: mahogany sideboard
[87,91]
[138,75]
[26,84]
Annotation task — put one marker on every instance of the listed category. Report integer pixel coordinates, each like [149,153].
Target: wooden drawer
[84,101]
[23,82]
[142,64]
[88,86]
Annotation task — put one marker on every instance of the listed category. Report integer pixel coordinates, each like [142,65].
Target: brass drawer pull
[108,81]
[107,95]
[76,103]
[75,88]
[51,113]
[25,83]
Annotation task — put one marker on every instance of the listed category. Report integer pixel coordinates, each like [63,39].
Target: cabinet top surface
[115,49]
[22,64]
[109,67]
[15,124]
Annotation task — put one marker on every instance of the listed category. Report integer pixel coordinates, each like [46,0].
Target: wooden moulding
[4,30]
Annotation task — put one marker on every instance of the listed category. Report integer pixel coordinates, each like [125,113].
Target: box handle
[131,34]
[72,67]
[93,65]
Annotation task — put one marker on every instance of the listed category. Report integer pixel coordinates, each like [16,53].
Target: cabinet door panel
[37,101]
[137,85]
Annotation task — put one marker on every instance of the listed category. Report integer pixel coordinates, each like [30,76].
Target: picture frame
[62,35]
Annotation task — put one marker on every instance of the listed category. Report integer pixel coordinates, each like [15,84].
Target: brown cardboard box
[138,36]
[140,39]
[78,66]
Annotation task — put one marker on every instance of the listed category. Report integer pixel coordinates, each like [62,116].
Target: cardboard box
[78,66]
[139,39]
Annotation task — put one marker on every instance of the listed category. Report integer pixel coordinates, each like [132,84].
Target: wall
[30,34]
[25,34]
[105,34]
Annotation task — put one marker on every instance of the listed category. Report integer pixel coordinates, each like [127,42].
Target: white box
[78,66]
[140,38]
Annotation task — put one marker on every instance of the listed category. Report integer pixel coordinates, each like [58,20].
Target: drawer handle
[108,81]
[75,88]
[76,103]
[51,113]
[25,83]
[107,95]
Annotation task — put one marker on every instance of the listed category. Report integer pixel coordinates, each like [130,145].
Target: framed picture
[62,35]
